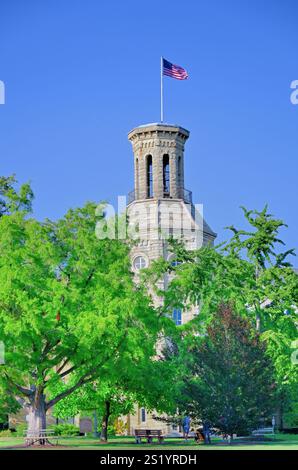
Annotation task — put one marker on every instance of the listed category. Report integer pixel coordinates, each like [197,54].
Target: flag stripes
[174,71]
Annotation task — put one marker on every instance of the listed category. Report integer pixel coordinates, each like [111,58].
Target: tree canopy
[230,380]
[249,270]
[70,312]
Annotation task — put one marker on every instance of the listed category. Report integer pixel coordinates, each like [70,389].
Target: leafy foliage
[8,402]
[230,381]
[70,313]
[12,200]
[248,270]
[66,430]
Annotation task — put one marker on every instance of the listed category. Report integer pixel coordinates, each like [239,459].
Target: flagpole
[161,89]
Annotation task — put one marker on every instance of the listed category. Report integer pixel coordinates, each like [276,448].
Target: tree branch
[90,277]
[67,392]
[68,371]
[63,365]
[87,377]
[48,347]
[25,391]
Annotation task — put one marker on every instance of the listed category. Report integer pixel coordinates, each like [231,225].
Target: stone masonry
[158,212]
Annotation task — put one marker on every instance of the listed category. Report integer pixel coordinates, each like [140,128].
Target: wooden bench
[262,431]
[42,437]
[149,435]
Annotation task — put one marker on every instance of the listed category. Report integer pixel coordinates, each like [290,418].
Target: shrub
[66,430]
[5,433]
[19,430]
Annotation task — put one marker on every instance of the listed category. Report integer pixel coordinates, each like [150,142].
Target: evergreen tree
[230,377]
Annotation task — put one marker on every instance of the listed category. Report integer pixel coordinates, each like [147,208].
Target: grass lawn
[281,442]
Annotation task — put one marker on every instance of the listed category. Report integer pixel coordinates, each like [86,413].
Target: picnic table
[42,437]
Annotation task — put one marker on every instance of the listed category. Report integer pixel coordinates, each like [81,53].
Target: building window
[175,263]
[149,176]
[139,263]
[177,316]
[143,415]
[166,176]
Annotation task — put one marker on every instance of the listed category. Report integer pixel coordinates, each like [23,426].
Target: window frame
[139,257]
[149,176]
[177,316]
[166,175]
[143,415]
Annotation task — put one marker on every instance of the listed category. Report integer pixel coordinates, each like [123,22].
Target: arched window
[166,175]
[143,415]
[149,171]
[177,316]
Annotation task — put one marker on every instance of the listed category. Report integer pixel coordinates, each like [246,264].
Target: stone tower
[158,161]
[159,207]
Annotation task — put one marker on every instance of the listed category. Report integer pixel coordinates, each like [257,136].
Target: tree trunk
[281,416]
[258,322]
[37,421]
[96,433]
[105,422]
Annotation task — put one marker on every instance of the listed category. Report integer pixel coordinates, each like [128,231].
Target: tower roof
[159,127]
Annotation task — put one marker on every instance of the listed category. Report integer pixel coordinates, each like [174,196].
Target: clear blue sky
[80,74]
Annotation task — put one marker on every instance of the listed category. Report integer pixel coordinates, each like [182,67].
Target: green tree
[70,312]
[103,400]
[145,382]
[271,292]
[252,271]
[230,381]
[11,199]
[8,402]
[272,279]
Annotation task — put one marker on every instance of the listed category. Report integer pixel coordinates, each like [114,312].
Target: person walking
[186,426]
[207,432]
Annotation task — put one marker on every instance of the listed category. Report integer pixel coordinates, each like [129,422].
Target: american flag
[174,71]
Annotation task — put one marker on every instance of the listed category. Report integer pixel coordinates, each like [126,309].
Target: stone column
[142,193]
[173,175]
[136,177]
[157,171]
